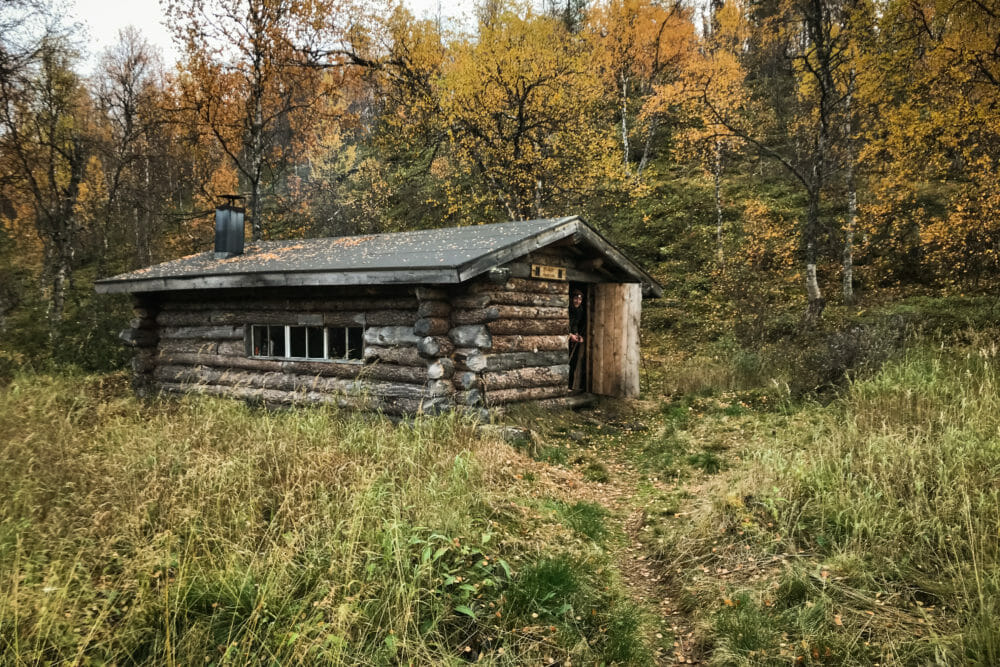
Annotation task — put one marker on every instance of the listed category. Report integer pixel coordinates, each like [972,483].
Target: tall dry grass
[202,531]
[199,530]
[870,525]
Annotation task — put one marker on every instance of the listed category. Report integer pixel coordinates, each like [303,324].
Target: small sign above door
[548,272]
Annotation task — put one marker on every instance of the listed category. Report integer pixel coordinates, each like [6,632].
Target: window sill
[356,362]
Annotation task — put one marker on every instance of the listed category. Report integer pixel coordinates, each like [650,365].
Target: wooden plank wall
[614,341]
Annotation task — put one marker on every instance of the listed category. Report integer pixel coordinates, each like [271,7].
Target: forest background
[764,159]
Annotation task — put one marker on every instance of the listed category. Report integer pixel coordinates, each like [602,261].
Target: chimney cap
[231,199]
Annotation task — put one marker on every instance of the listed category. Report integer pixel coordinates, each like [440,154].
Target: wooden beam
[278,279]
[498,257]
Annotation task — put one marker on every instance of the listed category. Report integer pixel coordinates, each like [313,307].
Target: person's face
[577,300]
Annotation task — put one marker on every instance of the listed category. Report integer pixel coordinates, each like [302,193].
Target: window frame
[250,341]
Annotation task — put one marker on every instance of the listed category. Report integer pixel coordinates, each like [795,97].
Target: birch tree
[252,80]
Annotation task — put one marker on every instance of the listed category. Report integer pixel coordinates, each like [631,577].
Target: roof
[431,256]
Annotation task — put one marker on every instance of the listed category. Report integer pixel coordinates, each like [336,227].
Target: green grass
[878,515]
[201,531]
[584,518]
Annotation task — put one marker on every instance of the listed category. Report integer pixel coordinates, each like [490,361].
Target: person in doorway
[577,327]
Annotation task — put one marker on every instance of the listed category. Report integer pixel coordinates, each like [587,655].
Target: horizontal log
[516,343]
[191,346]
[388,318]
[402,356]
[412,374]
[397,406]
[233,347]
[276,317]
[469,359]
[434,309]
[442,368]
[295,305]
[432,347]
[560,300]
[475,316]
[273,396]
[432,326]
[471,301]
[504,396]
[346,318]
[471,335]
[512,360]
[430,389]
[218,361]
[260,379]
[196,346]
[522,270]
[507,312]
[519,285]
[310,383]
[529,327]
[209,333]
[534,376]
[238,317]
[391,336]
[425,293]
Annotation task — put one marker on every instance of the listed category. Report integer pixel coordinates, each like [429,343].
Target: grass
[584,518]
[201,531]
[868,528]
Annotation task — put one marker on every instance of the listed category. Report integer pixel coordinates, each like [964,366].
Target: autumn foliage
[870,131]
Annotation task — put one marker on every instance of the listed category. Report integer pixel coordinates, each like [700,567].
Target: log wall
[196,343]
[512,338]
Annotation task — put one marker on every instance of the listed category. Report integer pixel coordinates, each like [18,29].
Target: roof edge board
[279,279]
[597,240]
[562,228]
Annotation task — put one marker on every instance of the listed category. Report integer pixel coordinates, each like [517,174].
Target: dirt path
[673,633]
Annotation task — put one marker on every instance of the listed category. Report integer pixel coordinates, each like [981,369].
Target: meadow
[732,515]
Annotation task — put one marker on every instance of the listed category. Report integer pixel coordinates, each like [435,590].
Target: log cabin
[411,322]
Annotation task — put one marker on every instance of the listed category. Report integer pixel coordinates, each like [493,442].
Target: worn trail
[672,634]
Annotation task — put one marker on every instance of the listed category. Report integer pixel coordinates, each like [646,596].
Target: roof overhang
[562,229]
[569,227]
[279,279]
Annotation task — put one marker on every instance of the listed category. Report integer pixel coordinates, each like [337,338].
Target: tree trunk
[717,175]
[847,260]
[625,146]
[648,146]
[816,305]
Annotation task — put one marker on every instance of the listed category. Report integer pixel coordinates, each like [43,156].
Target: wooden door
[613,351]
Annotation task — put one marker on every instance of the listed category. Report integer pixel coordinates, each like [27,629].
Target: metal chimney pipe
[229,228]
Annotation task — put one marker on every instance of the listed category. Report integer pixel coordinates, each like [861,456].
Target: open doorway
[579,333]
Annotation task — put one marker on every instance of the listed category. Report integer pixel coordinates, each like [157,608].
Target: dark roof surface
[448,255]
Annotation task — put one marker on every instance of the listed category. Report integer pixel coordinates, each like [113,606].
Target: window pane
[298,341]
[338,344]
[314,342]
[276,341]
[355,342]
[258,343]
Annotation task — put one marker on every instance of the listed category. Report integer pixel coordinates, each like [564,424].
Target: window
[268,341]
[283,341]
